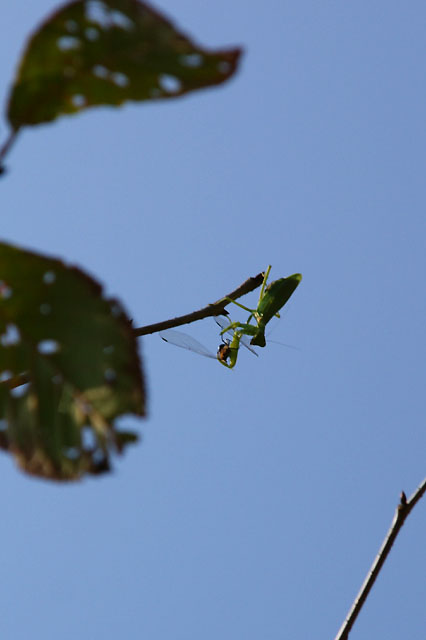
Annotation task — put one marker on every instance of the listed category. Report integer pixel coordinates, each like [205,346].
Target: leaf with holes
[106,52]
[69,367]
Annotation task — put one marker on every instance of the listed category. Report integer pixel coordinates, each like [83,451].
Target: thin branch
[401,513]
[5,148]
[215,309]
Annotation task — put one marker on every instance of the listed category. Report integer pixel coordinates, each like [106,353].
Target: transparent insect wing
[185,341]
[225,321]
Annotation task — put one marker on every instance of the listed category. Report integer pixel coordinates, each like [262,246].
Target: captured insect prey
[185,341]
[271,300]
[224,352]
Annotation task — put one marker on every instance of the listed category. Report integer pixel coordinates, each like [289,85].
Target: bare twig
[401,513]
[215,309]
[5,148]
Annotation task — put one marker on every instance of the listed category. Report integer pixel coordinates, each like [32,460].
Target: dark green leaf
[106,52]
[69,367]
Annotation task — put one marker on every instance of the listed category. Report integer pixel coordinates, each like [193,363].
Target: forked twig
[401,513]
[215,309]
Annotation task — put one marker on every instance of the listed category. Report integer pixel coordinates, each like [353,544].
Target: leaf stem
[214,309]
[5,148]
[403,509]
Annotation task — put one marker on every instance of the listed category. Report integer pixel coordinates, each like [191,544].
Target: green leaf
[106,52]
[69,367]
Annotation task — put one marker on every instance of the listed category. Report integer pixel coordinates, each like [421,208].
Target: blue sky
[258,497]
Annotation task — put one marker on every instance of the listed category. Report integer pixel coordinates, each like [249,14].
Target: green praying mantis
[271,300]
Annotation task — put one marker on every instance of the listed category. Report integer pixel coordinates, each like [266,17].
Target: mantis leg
[253,312]
[240,329]
[240,305]
[265,278]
